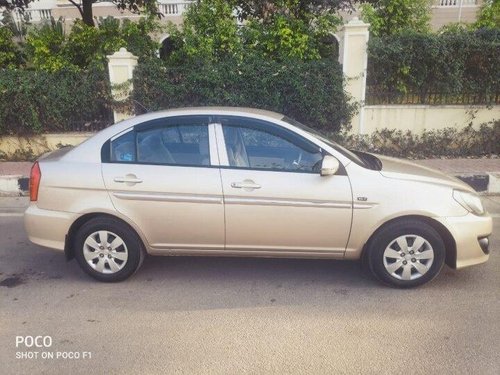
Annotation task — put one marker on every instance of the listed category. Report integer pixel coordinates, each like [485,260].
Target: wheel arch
[444,233]
[78,223]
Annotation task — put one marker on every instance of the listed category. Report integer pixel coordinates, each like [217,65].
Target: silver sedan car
[245,182]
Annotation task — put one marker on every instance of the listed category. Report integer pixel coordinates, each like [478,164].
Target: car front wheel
[108,250]
[406,254]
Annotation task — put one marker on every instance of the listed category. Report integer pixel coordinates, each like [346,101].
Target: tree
[292,28]
[277,29]
[246,8]
[44,47]
[209,31]
[10,55]
[12,4]
[48,48]
[85,7]
[301,9]
[489,15]
[389,17]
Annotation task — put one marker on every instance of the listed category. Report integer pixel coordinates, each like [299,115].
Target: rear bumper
[467,231]
[48,228]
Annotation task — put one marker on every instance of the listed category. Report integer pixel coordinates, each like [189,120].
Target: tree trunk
[88,17]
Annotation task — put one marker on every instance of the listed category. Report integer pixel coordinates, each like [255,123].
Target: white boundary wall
[419,117]
[353,45]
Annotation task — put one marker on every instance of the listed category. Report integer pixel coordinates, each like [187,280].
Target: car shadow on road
[248,269]
[208,283]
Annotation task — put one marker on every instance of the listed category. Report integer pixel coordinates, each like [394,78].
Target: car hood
[405,170]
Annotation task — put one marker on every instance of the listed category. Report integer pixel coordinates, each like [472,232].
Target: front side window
[256,147]
[185,143]
[322,137]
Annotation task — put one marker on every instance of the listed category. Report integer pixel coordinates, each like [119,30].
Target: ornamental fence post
[121,67]
[353,55]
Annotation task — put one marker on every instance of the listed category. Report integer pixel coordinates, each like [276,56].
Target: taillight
[35,177]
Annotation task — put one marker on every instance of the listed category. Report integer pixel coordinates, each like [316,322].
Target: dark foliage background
[309,91]
[36,101]
[447,68]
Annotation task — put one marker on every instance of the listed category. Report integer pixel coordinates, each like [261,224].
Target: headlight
[471,202]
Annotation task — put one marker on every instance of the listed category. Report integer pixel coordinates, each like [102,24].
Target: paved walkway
[9,168]
[450,166]
[462,166]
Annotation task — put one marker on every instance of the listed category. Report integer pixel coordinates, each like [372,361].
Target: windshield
[348,154]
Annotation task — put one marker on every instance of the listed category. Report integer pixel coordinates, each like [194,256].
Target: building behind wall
[43,10]
[443,11]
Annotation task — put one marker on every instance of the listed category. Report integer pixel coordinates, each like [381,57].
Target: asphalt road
[253,316]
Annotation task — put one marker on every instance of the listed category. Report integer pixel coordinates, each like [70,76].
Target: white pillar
[121,66]
[353,55]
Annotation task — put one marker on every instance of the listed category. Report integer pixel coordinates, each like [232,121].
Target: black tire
[373,257]
[132,241]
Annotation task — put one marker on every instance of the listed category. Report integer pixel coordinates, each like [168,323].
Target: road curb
[14,186]
[485,183]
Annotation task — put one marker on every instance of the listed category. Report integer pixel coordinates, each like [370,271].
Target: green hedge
[309,91]
[428,67]
[36,101]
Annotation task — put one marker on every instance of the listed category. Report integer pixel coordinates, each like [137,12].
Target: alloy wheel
[408,257]
[105,252]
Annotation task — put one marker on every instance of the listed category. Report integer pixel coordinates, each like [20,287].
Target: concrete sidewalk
[15,168]
[482,174]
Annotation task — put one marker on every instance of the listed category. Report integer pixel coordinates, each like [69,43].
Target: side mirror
[329,166]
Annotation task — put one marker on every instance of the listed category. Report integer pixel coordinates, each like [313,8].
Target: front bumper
[467,232]
[46,227]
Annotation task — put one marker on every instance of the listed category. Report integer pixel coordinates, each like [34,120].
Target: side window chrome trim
[123,132]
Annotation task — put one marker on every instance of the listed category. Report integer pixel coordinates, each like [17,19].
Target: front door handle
[129,179]
[246,184]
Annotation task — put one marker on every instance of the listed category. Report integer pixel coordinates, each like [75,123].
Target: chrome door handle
[128,179]
[247,184]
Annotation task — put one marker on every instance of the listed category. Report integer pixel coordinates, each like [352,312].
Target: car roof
[223,110]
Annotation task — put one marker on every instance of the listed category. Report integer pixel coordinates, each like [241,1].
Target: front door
[275,199]
[160,176]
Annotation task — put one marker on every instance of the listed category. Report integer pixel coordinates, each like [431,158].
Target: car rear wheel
[108,250]
[406,254]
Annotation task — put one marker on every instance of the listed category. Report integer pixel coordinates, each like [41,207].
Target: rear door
[160,176]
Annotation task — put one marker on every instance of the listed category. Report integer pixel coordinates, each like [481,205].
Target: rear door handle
[247,184]
[129,179]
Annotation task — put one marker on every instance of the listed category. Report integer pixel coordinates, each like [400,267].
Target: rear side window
[123,148]
[182,141]
[178,145]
